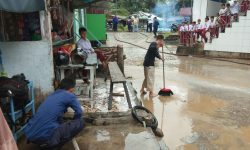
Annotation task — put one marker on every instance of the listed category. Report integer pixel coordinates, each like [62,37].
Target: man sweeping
[149,63]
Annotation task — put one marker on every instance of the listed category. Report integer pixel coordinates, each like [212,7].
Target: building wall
[203,8]
[34,59]
[213,7]
[199,9]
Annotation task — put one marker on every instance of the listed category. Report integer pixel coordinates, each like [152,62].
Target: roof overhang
[22,5]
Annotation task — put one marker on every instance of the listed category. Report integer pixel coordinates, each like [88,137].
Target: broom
[165,91]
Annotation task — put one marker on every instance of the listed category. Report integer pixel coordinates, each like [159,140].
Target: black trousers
[149,27]
[155,31]
[64,133]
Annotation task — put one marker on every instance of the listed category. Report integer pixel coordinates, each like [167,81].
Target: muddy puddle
[209,108]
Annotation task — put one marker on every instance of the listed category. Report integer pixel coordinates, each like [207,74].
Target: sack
[16,87]
[61,58]
[79,56]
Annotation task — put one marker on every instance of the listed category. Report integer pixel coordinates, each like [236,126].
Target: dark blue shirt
[50,113]
[115,20]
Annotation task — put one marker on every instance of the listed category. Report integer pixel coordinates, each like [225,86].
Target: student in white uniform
[181,32]
[235,9]
[193,32]
[199,29]
[223,17]
[205,29]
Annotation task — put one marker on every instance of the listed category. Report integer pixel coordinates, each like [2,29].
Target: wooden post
[120,60]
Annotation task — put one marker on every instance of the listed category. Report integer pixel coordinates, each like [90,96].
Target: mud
[210,108]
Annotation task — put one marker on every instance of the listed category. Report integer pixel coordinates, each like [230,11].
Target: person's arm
[79,44]
[156,52]
[75,105]
[91,48]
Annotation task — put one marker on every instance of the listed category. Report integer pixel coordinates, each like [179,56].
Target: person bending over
[46,127]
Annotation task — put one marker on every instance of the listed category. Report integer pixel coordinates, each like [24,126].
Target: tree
[135,5]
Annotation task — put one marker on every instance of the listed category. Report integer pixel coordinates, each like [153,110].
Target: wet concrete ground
[210,108]
[211,105]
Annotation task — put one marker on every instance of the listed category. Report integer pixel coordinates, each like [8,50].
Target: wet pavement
[209,109]
[211,103]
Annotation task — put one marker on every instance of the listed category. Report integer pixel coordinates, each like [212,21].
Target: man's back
[152,52]
[50,113]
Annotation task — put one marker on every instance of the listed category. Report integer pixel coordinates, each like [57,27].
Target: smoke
[168,12]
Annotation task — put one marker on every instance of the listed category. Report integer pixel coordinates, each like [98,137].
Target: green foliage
[133,6]
[120,12]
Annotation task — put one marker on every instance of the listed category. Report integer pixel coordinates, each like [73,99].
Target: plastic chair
[15,115]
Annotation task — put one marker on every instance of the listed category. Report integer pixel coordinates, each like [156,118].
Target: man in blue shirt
[156,25]
[46,127]
[115,23]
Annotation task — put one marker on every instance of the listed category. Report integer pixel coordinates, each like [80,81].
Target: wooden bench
[117,77]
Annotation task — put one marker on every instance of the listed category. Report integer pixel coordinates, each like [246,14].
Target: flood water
[211,103]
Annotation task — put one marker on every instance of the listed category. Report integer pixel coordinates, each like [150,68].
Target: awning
[22,5]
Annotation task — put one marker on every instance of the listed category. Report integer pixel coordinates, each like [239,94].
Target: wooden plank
[71,66]
[115,73]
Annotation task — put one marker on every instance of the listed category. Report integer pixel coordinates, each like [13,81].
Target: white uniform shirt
[199,26]
[191,27]
[212,24]
[206,25]
[194,27]
[222,12]
[150,20]
[235,8]
[182,28]
[187,27]
[85,45]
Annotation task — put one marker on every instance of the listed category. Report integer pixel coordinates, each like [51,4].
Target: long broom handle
[163,69]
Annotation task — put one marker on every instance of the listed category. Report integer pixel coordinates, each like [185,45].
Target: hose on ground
[202,57]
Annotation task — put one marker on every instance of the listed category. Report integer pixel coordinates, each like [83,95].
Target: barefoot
[152,94]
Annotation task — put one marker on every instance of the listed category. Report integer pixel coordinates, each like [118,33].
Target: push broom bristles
[165,92]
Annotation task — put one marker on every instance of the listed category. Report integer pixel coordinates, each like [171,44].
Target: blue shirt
[50,113]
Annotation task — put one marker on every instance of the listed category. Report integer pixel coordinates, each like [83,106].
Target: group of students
[190,33]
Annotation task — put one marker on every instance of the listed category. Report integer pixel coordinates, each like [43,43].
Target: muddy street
[211,103]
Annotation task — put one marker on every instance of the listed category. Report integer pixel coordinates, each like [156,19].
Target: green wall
[96,25]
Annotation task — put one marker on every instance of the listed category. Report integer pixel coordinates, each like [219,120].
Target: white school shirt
[187,27]
[150,20]
[85,45]
[212,24]
[194,27]
[222,12]
[235,8]
[191,27]
[199,26]
[206,25]
[182,29]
